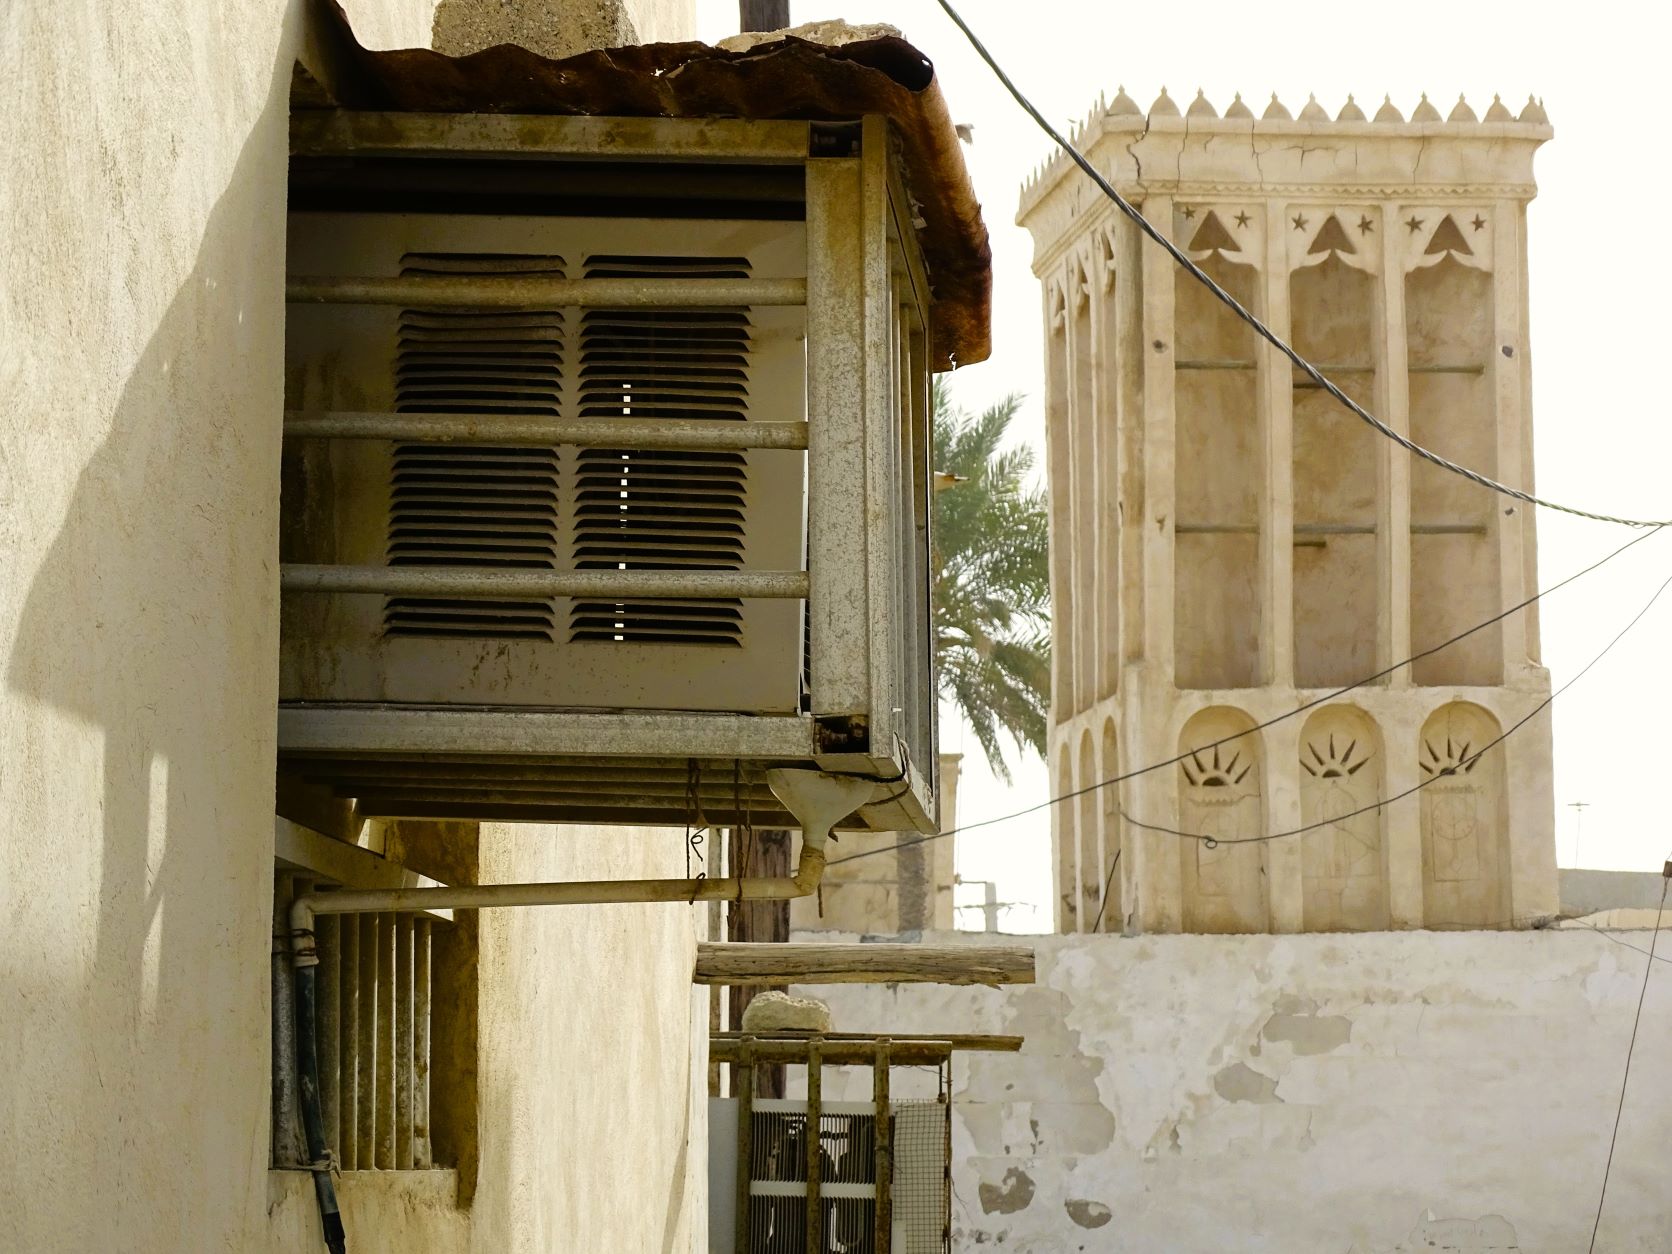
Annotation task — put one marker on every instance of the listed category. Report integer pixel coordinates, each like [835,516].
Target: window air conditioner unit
[606,471]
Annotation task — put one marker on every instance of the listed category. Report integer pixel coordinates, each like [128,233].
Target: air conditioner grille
[647,510]
[475,505]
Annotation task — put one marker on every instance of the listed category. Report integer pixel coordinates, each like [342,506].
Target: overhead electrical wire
[1260,328]
[1381,802]
[1258,727]
[1631,1048]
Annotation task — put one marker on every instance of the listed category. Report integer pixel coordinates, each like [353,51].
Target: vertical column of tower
[1393,391]
[1057,461]
[1509,340]
[1082,475]
[1277,566]
[1105,445]
[1155,795]
[1131,508]
[1082,366]
[1530,819]
[1277,553]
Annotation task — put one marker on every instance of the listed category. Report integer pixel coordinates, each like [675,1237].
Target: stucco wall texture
[142,190]
[593,1075]
[1312,1094]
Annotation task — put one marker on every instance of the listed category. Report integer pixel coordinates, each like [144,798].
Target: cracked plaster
[1378,1094]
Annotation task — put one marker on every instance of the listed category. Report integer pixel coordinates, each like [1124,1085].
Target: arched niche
[1336,605]
[1454,544]
[1090,835]
[1344,880]
[1221,795]
[1218,452]
[1465,847]
[1067,867]
[1112,900]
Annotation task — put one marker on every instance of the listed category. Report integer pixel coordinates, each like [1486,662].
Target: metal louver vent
[455,505]
[643,510]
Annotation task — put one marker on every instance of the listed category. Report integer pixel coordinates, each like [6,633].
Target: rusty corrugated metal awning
[786,78]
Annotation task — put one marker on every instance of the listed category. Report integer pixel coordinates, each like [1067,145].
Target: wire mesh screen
[922,1191]
[778,1179]
[918,1192]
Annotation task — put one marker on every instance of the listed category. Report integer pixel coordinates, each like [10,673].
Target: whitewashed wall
[1349,1094]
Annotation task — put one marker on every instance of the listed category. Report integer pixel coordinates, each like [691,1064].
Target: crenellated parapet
[1184,152]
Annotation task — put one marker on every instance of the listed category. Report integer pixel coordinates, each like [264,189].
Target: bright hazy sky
[1602,439]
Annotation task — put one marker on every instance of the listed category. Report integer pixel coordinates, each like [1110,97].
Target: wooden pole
[815,1146]
[884,1145]
[745,1082]
[763,14]
[758,925]
[783,964]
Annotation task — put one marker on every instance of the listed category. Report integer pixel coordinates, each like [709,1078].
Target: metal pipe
[287,1148]
[472,583]
[313,1122]
[526,292]
[817,800]
[629,433]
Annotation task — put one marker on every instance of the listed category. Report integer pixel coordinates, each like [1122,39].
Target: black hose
[313,1120]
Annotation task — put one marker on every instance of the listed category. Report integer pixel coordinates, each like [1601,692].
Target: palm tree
[992,580]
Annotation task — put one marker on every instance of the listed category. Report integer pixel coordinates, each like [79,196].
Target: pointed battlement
[1122,115]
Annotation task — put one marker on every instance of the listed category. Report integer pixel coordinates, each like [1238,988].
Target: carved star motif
[1478,222]
[1243,219]
[1299,222]
[1414,222]
[1365,225]
[1189,212]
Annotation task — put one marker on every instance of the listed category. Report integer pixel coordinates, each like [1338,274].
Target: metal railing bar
[529,292]
[472,583]
[667,433]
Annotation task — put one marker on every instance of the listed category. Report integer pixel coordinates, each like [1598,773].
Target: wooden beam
[863,964]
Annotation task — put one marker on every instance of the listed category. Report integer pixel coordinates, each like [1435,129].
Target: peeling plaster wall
[1311,1094]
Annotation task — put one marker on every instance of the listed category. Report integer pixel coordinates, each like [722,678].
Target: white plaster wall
[1355,1094]
[142,192]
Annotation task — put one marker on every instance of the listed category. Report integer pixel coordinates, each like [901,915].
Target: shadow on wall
[136,1040]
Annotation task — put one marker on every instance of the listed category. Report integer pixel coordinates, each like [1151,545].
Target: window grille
[388,1001]
[375,1003]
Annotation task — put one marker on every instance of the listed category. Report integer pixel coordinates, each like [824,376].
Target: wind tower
[1229,543]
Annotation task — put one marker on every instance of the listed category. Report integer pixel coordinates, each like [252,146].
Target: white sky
[1602,439]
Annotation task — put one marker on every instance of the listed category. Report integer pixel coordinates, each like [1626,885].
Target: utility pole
[1578,808]
[990,904]
[763,14]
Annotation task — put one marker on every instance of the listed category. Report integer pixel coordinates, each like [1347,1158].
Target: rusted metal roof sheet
[787,78]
